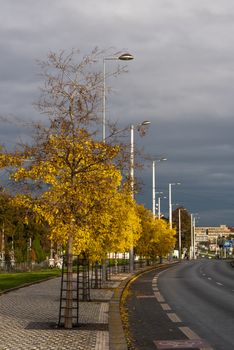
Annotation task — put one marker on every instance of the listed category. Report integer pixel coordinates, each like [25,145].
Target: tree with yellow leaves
[157,239]
[78,178]
[116,229]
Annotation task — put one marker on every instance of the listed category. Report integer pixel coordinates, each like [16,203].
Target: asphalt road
[189,305]
[201,293]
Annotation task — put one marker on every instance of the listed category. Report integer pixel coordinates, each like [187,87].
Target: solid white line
[145,296]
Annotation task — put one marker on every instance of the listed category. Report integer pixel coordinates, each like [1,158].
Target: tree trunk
[69,296]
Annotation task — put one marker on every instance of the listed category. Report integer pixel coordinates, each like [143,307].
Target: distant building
[211,234]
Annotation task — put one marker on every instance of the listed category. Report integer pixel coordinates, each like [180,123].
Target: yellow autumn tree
[157,239]
[166,238]
[148,235]
[116,228]
[77,177]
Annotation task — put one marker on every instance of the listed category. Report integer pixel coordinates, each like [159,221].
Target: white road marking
[192,335]
[220,284]
[182,344]
[159,297]
[165,306]
[173,317]
[209,278]
[189,333]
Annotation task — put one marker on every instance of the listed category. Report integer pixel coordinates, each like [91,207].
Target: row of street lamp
[128,57]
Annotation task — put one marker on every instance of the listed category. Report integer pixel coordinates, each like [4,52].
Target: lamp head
[126,57]
[145,122]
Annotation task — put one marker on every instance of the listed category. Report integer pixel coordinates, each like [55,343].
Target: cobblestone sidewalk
[29,315]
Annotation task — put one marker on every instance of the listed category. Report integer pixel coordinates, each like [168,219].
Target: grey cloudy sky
[182,80]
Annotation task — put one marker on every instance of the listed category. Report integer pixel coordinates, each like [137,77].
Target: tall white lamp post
[180,245]
[192,248]
[154,183]
[170,203]
[123,57]
[144,123]
[159,206]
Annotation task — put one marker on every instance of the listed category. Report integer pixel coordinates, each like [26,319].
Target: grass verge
[13,280]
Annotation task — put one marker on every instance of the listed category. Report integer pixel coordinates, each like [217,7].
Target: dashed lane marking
[220,284]
[165,306]
[173,317]
[159,297]
[189,333]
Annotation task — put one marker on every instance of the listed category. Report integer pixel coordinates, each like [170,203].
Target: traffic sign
[228,243]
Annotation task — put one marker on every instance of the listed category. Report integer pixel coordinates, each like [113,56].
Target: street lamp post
[154,183]
[159,206]
[194,227]
[132,127]
[192,247]
[180,245]
[144,123]
[170,203]
[123,57]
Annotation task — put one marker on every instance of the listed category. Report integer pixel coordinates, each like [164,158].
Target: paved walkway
[28,318]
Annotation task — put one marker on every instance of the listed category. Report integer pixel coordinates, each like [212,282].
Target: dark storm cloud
[181,80]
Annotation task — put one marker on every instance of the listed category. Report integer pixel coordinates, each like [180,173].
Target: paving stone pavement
[29,315]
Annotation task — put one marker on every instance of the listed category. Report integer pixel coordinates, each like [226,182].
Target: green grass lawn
[11,280]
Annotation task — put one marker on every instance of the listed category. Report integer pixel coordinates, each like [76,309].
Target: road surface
[189,305]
